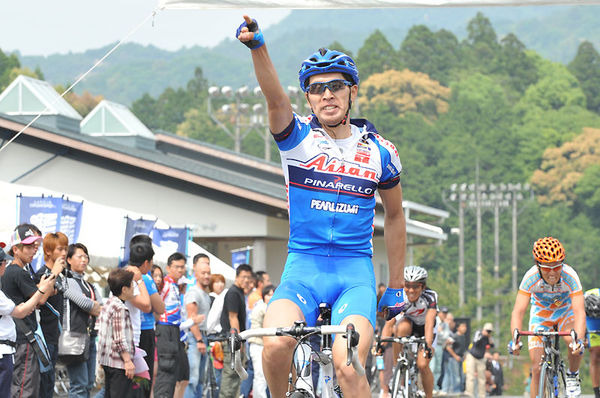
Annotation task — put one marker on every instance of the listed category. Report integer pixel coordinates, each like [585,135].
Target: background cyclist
[554,291]
[418,319]
[332,168]
[592,319]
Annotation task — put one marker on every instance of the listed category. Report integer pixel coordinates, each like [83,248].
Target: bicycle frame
[406,373]
[210,388]
[552,375]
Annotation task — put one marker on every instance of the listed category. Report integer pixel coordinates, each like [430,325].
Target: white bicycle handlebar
[262,332]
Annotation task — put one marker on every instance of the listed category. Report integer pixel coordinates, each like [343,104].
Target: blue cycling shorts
[347,284]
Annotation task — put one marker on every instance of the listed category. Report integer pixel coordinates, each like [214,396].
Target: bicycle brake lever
[349,340]
[352,338]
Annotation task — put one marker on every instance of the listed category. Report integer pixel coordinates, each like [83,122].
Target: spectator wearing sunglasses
[333,165]
[554,291]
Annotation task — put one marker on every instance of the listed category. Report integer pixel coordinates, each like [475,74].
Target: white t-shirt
[7,325]
[213,323]
[136,316]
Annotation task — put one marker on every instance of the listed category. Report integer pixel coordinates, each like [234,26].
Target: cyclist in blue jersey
[333,166]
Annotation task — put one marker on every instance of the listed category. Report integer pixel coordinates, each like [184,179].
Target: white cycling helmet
[414,273]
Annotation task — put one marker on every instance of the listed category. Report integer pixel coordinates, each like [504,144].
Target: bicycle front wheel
[546,387]
[399,381]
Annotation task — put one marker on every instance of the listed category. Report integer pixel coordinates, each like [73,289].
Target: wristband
[258,40]
[41,291]
[393,300]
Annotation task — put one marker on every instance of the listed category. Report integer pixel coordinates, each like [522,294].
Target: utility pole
[478,240]
[497,260]
[461,252]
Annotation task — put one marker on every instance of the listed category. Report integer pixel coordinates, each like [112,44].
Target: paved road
[376,395]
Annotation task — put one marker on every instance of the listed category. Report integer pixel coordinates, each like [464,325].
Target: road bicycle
[210,386]
[553,373]
[300,383]
[404,383]
[373,366]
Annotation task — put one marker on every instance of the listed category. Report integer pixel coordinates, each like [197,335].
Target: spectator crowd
[158,332]
[152,332]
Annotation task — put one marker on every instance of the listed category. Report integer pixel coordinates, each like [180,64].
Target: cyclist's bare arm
[395,234]
[429,322]
[578,304]
[278,103]
[521,305]
[388,329]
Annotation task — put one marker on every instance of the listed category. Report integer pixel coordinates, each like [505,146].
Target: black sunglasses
[332,85]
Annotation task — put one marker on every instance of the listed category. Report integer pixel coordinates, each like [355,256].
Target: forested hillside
[448,103]
[554,32]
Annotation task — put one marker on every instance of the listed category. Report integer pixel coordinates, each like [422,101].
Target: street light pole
[242,126]
[496,259]
[478,189]
[461,251]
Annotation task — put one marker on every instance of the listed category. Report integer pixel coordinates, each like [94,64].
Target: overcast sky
[42,27]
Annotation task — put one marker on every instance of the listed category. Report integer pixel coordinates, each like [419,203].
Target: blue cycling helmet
[324,61]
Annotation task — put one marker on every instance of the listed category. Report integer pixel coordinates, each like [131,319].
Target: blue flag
[132,228]
[50,214]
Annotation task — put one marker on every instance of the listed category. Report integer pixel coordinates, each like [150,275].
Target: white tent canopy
[102,228]
[337,4]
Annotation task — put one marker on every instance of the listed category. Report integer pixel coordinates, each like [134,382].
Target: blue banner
[170,240]
[70,220]
[134,227]
[240,256]
[50,214]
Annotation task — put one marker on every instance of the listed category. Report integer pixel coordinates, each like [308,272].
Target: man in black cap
[8,333]
[19,287]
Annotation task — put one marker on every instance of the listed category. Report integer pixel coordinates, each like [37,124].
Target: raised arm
[278,103]
[142,300]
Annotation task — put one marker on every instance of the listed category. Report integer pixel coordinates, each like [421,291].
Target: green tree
[198,125]
[481,46]
[517,64]
[435,54]
[146,110]
[7,64]
[586,68]
[588,194]
[337,46]
[478,126]
[540,129]
[376,55]
[168,111]
[556,88]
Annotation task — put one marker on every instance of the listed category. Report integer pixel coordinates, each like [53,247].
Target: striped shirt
[115,333]
[172,299]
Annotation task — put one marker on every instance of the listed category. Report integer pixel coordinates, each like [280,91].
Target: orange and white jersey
[551,297]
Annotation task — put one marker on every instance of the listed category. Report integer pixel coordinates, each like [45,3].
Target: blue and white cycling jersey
[331,192]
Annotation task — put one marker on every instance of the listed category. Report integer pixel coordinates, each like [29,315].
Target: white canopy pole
[339,4]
